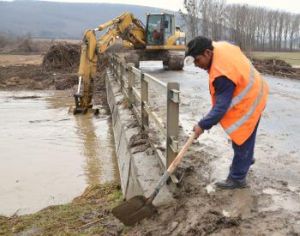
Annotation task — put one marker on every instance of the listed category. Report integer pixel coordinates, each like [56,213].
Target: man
[238,95]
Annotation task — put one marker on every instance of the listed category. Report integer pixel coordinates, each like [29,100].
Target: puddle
[287,202]
[275,199]
[48,156]
[270,191]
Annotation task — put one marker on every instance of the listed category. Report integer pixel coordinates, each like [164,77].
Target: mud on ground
[276,67]
[58,70]
[34,77]
[199,210]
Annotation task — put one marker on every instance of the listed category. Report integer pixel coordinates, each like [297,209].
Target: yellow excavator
[160,40]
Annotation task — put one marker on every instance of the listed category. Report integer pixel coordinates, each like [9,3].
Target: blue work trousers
[243,157]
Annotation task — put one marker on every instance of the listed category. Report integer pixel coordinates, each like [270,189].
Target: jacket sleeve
[224,88]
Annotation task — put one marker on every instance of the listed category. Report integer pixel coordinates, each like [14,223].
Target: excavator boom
[135,35]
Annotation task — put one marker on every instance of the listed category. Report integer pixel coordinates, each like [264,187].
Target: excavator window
[168,23]
[155,30]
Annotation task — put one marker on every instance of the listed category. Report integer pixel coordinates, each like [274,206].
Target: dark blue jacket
[224,88]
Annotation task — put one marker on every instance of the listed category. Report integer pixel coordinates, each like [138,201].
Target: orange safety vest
[250,94]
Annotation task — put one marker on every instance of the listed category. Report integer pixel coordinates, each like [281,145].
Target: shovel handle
[180,155]
[172,167]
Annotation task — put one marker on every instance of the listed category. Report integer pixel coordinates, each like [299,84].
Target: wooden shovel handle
[180,155]
[171,168]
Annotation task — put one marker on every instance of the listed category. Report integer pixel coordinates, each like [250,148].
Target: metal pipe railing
[127,75]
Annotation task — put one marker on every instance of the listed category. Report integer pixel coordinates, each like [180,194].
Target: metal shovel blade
[134,210]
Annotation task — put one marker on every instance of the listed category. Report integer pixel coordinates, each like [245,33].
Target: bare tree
[192,17]
[294,33]
[216,18]
[249,27]
[287,25]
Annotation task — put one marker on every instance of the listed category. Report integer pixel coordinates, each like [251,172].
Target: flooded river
[48,156]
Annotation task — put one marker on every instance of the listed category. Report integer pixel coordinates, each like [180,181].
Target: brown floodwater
[48,156]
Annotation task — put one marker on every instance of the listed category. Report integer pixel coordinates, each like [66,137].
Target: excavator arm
[133,33]
[126,27]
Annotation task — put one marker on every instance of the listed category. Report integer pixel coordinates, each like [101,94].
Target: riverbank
[88,214]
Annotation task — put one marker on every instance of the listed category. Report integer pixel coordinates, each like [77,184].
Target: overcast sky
[287,5]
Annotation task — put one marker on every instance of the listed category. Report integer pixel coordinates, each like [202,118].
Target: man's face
[204,60]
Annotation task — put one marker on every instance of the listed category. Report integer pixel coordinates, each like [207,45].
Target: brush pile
[275,67]
[62,56]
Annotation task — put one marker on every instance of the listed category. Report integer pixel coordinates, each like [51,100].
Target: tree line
[252,28]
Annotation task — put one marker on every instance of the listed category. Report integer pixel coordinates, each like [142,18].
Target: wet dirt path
[274,194]
[48,156]
[279,131]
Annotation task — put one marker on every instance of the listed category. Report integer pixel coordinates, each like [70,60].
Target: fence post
[117,70]
[122,72]
[130,77]
[172,121]
[113,66]
[110,64]
[144,99]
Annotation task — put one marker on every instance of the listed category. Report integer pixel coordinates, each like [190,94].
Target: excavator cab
[160,40]
[159,28]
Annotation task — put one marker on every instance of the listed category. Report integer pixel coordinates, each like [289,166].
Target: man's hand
[198,131]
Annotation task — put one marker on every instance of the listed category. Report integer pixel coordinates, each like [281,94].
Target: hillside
[60,20]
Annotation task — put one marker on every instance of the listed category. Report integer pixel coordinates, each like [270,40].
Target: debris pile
[62,56]
[275,67]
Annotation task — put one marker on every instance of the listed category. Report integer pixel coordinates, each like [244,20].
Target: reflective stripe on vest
[239,97]
[252,109]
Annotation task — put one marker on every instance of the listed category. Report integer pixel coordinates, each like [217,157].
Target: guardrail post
[110,64]
[172,121]
[122,73]
[130,77]
[144,99]
[113,66]
[118,69]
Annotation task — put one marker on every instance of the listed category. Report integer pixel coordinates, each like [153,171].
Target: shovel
[140,207]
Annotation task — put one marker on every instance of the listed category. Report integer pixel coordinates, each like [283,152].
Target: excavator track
[173,61]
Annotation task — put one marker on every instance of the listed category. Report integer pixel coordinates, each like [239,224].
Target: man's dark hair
[198,45]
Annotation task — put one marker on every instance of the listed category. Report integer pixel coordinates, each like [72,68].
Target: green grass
[293,58]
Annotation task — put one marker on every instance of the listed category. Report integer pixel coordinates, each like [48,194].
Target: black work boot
[230,183]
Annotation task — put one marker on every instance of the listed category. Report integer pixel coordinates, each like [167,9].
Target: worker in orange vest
[238,94]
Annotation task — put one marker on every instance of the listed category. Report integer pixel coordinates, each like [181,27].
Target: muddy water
[49,156]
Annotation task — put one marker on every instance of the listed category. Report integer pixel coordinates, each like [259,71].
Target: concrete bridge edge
[139,170]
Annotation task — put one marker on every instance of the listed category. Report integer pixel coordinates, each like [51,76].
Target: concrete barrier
[138,166]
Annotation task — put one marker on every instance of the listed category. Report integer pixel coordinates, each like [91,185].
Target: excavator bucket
[80,107]
[82,110]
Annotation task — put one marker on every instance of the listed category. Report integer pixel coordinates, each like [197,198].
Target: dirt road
[272,203]
[9,60]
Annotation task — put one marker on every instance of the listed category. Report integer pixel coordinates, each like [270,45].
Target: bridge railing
[134,85]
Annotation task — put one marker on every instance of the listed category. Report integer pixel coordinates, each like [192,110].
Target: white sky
[175,5]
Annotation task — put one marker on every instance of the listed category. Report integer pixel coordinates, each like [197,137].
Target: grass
[293,58]
[88,214]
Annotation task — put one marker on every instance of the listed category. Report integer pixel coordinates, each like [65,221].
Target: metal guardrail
[127,75]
